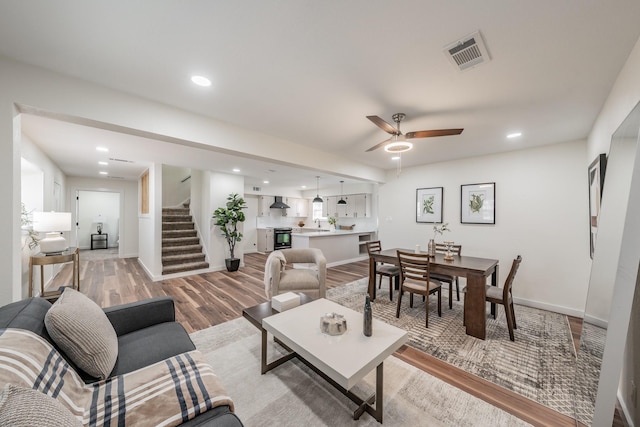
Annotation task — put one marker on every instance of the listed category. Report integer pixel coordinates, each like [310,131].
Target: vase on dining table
[431,248]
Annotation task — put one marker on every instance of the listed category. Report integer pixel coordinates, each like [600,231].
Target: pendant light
[342,201]
[318,199]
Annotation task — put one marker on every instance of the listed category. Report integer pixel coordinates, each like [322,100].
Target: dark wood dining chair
[382,269]
[503,296]
[415,279]
[456,250]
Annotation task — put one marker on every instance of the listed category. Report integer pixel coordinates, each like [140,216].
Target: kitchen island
[338,247]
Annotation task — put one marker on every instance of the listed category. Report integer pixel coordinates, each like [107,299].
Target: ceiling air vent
[120,160]
[467,52]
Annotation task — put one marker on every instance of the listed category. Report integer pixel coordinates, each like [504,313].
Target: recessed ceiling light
[304,186]
[103,149]
[265,182]
[236,170]
[201,81]
[514,135]
[395,158]
[104,173]
[103,163]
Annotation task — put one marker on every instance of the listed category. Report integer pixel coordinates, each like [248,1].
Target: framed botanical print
[429,204]
[478,203]
[596,183]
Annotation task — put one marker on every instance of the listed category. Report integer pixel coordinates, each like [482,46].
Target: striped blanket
[167,393]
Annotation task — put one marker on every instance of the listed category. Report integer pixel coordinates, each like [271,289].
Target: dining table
[476,271]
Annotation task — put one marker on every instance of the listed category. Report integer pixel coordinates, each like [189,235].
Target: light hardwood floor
[209,299]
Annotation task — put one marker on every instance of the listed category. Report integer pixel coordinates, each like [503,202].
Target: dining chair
[456,250]
[382,269]
[415,279]
[504,297]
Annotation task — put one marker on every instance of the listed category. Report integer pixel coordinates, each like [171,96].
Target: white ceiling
[310,71]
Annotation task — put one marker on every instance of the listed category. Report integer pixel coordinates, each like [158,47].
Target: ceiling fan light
[398,147]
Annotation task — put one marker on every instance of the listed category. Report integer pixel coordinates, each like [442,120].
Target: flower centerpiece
[332,222]
[436,230]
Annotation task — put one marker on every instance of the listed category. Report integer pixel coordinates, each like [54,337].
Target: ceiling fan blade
[383,125]
[382,144]
[432,133]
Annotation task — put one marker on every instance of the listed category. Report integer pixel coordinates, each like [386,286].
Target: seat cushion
[419,286]
[82,330]
[25,407]
[495,293]
[298,279]
[150,345]
[442,277]
[389,270]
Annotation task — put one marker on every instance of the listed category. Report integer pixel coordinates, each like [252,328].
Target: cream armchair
[309,280]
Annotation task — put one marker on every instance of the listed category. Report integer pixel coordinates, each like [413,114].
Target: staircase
[181,248]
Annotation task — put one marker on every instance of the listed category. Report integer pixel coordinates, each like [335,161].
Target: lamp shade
[52,221]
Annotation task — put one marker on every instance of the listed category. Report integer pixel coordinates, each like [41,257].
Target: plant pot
[232,264]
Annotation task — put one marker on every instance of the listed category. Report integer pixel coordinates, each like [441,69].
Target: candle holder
[448,256]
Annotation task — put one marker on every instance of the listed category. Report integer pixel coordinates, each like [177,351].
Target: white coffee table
[343,360]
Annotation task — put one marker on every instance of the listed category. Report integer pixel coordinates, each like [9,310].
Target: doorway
[98,220]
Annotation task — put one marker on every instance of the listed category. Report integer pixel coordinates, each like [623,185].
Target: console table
[70,255]
[100,237]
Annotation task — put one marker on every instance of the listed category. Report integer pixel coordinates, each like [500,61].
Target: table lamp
[98,220]
[52,223]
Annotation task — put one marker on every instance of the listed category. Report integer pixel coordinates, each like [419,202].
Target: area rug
[293,395]
[539,365]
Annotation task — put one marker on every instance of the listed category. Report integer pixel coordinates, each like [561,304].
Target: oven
[281,238]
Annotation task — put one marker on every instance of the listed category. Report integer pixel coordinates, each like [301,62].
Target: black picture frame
[429,204]
[596,174]
[478,203]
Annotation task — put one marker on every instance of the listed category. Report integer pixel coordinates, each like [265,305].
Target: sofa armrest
[138,315]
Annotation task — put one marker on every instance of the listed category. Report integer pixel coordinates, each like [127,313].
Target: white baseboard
[346,261]
[549,307]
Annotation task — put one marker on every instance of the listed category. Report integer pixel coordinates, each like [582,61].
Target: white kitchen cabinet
[263,205]
[358,206]
[265,239]
[361,205]
[297,207]
[329,207]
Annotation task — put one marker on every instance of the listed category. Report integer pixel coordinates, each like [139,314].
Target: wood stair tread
[179,268]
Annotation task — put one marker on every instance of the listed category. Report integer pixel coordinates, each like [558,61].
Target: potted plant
[227,219]
[27,225]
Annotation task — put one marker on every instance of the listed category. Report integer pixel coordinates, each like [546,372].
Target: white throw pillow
[25,407]
[82,330]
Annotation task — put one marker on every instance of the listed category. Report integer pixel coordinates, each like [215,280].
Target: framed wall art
[597,169]
[478,203]
[429,204]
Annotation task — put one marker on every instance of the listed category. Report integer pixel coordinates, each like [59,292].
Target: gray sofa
[147,333]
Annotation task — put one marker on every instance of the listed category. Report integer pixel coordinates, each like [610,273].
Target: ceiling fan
[398,142]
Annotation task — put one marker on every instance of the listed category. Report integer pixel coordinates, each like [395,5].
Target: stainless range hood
[279,204]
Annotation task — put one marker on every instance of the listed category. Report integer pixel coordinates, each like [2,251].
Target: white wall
[128,223]
[150,227]
[45,189]
[175,187]
[623,97]
[541,214]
